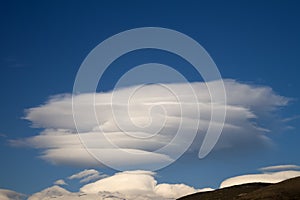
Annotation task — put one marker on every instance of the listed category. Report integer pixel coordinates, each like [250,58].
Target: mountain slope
[285,190]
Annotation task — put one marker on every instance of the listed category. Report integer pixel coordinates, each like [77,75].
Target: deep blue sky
[44,42]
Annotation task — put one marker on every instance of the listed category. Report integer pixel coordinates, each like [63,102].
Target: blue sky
[44,43]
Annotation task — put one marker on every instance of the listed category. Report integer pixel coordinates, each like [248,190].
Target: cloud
[133,182]
[11,195]
[87,175]
[142,120]
[81,157]
[139,183]
[54,192]
[280,168]
[131,185]
[177,190]
[3,135]
[142,185]
[60,182]
[273,177]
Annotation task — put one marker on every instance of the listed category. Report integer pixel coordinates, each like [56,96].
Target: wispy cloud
[60,182]
[291,118]
[280,168]
[12,63]
[87,175]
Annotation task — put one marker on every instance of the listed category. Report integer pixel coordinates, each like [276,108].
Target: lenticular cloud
[143,119]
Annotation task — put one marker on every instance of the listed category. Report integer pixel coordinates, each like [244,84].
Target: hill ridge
[285,190]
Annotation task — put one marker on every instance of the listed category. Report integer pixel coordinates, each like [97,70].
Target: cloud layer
[282,173]
[279,168]
[143,120]
[140,185]
[87,176]
[131,185]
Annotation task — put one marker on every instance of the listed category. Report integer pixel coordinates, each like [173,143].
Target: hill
[285,190]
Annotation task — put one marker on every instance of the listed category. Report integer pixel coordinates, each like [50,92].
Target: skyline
[255,46]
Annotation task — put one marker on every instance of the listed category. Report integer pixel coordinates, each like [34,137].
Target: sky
[254,44]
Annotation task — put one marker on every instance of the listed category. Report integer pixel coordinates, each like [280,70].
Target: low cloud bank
[140,185]
[131,185]
[283,172]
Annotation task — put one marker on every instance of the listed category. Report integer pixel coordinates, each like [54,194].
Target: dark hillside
[286,190]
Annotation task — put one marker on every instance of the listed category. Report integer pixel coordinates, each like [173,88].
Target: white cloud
[81,157]
[83,174]
[142,185]
[54,192]
[87,175]
[151,123]
[280,168]
[274,177]
[11,195]
[60,182]
[124,182]
[139,183]
[130,185]
[92,178]
[177,190]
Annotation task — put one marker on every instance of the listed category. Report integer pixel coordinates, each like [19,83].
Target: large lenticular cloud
[149,123]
